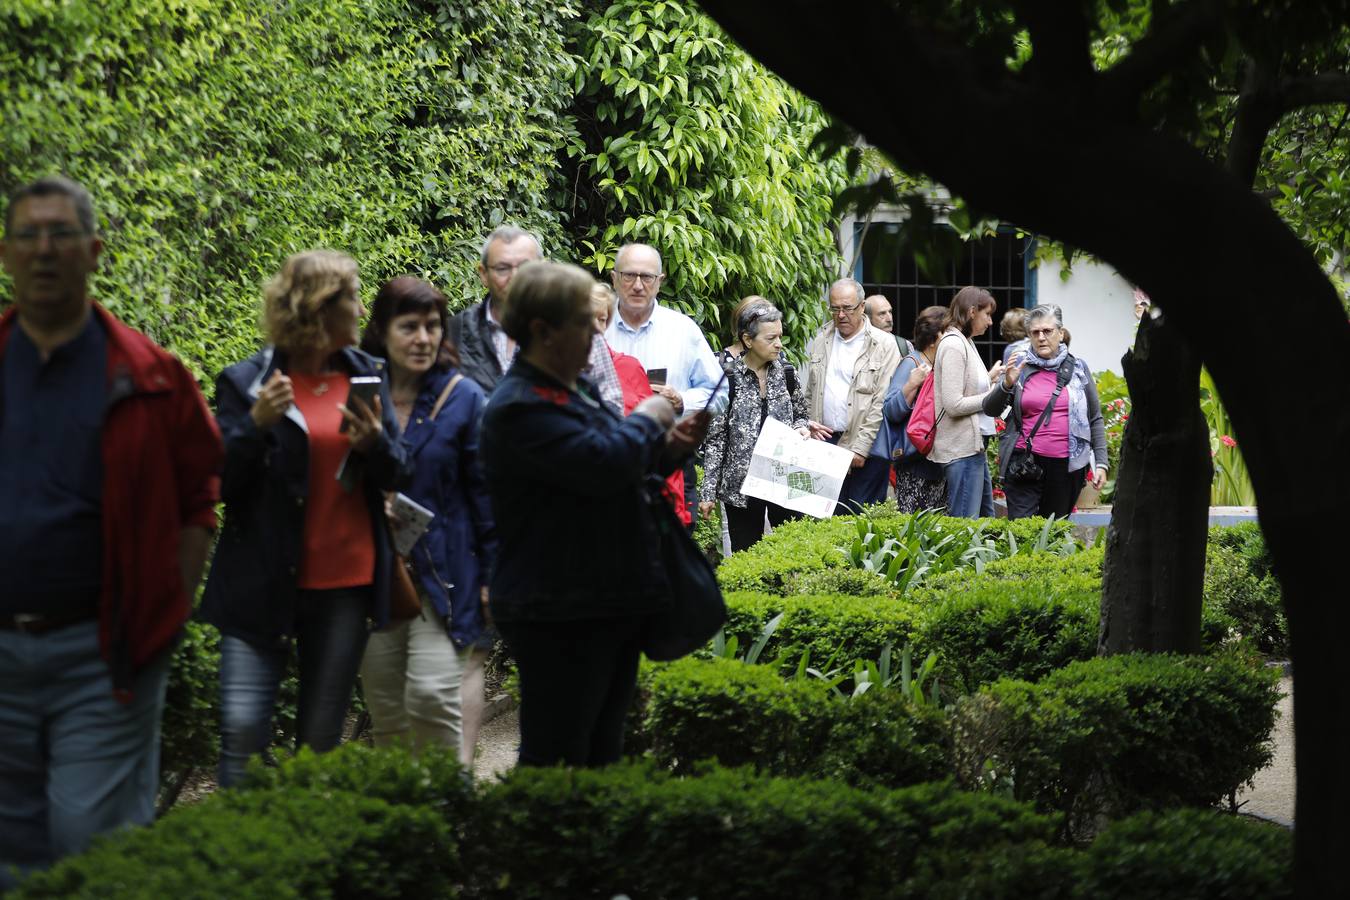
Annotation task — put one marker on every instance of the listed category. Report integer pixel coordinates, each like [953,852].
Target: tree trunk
[1246,296]
[1155,545]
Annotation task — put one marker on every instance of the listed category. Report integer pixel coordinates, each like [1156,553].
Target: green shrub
[882,739]
[728,834]
[287,842]
[190,729]
[986,627]
[739,714]
[1113,735]
[853,582]
[839,627]
[1239,582]
[1189,853]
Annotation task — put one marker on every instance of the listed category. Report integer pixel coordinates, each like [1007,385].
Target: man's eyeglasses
[844,310]
[647,278]
[504,269]
[61,236]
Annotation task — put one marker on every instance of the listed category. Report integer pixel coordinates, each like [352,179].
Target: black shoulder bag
[696,608]
[1022,465]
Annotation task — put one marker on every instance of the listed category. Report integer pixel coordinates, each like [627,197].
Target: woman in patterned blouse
[758,388]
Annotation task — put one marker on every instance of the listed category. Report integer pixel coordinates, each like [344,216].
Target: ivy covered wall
[218,136]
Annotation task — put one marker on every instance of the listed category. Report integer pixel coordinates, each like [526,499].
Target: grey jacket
[871,376]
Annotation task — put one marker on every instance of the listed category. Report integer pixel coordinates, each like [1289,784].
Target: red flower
[999,425]
[998,494]
[555,395]
[1227,441]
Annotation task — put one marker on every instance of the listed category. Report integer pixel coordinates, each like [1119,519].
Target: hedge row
[806,548]
[1106,736]
[365,823]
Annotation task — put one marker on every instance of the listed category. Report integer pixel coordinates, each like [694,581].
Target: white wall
[1098,307]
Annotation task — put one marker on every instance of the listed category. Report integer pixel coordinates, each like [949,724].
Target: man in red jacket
[109,465]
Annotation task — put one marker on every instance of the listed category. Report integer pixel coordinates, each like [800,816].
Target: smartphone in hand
[364,387]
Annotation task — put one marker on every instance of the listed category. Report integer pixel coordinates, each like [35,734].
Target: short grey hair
[508,234]
[1045,311]
[660,263]
[868,304]
[851,283]
[754,316]
[56,184]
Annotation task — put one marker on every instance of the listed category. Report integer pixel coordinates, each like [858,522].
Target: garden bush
[1113,735]
[1240,582]
[806,547]
[380,823]
[842,628]
[287,842]
[738,714]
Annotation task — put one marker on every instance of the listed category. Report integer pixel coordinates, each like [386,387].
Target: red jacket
[161,461]
[636,388]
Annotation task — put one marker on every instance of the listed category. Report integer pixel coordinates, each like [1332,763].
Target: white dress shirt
[672,341]
[839,378]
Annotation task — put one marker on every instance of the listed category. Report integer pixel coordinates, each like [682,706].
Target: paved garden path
[1271,797]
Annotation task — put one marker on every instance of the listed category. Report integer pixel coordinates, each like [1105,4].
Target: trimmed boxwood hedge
[739,714]
[1118,734]
[1240,581]
[379,823]
[844,627]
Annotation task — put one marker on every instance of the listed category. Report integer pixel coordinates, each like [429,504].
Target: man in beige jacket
[850,367]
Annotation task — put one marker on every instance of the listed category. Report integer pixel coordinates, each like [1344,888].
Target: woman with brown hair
[960,384]
[304,556]
[423,678]
[920,483]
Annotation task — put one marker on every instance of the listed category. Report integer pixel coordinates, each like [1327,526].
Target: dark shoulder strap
[1061,379]
[445,394]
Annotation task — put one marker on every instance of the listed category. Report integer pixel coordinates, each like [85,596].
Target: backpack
[921,428]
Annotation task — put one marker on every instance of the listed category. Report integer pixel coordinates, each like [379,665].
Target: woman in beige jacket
[961,382]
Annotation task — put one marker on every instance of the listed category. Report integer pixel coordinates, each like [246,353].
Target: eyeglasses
[647,278]
[1041,332]
[844,310]
[502,269]
[61,236]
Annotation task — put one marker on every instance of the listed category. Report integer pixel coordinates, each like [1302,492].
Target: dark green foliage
[1240,582]
[841,628]
[882,739]
[190,731]
[287,842]
[1118,734]
[1189,853]
[728,834]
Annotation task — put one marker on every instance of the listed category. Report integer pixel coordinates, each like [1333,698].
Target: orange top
[338,545]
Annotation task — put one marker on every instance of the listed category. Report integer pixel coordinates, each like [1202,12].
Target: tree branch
[1060,40]
[1171,41]
[1258,110]
[1314,90]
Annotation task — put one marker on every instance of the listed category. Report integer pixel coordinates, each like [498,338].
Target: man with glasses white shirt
[851,363]
[659,337]
[668,344]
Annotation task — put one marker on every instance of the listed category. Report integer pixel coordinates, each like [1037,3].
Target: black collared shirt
[51,472]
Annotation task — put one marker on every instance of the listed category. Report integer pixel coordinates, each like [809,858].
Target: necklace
[320,389]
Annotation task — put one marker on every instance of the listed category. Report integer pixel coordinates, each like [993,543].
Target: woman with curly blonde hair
[305,554]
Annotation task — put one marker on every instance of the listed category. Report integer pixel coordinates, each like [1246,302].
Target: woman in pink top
[1068,445]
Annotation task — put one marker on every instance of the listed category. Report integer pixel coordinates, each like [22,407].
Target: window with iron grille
[997,263]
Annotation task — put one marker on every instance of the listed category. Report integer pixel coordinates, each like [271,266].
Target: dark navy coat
[566,475]
[250,592]
[453,558]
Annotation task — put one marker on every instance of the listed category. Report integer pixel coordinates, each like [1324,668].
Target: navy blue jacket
[453,558]
[566,475]
[250,593]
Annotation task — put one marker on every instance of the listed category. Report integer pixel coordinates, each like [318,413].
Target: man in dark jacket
[109,465]
[485,351]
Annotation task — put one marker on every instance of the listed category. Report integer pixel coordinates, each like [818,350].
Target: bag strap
[1061,379]
[445,395]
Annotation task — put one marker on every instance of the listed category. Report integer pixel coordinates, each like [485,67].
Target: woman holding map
[758,389]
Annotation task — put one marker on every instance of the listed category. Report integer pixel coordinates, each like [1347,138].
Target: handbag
[404,601]
[696,609]
[921,429]
[1022,466]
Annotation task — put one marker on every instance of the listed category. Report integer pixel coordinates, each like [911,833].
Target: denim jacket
[567,479]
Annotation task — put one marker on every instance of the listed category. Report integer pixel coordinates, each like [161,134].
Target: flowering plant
[1232,484]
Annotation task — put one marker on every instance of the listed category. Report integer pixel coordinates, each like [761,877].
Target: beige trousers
[411,677]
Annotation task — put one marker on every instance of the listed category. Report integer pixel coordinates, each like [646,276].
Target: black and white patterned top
[732,435]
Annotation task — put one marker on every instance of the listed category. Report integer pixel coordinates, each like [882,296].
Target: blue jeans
[970,490]
[74,762]
[330,637]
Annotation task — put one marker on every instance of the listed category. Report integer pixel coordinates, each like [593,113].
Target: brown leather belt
[38,623]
